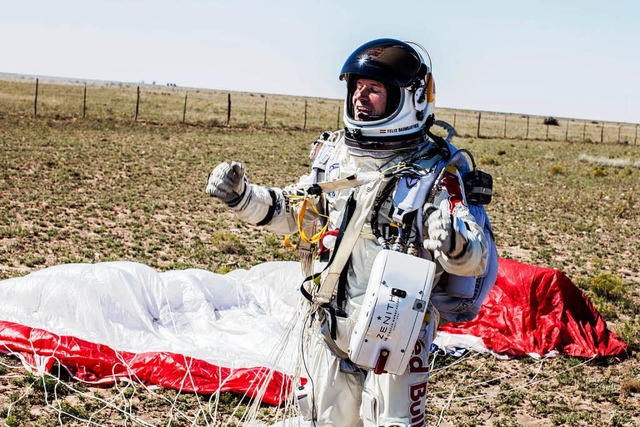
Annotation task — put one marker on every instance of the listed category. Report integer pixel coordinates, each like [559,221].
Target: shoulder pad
[322,149]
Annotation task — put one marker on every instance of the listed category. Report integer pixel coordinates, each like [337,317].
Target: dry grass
[97,189]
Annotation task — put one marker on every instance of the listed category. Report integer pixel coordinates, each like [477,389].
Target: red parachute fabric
[539,311]
[530,311]
[97,363]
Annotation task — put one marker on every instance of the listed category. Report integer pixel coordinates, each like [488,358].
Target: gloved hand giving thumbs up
[442,233]
[228,183]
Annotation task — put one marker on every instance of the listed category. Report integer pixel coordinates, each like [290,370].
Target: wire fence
[153,103]
[486,124]
[170,104]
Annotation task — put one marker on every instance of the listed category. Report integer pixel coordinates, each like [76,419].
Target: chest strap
[363,199]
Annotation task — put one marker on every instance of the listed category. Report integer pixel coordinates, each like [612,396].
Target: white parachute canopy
[195,330]
[225,324]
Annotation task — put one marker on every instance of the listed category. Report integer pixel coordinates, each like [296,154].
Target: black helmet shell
[389,61]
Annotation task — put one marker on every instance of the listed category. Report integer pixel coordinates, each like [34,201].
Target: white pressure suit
[339,393]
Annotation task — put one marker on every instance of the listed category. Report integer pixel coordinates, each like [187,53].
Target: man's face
[369,100]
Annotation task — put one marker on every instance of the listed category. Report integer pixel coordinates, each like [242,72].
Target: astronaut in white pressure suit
[388,115]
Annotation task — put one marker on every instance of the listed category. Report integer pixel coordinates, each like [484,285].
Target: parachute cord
[279,350]
[533,381]
[312,309]
[43,376]
[316,237]
[448,403]
[300,219]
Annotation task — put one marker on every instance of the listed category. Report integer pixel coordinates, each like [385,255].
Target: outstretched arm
[255,204]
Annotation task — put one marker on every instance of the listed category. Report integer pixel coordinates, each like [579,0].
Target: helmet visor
[387,60]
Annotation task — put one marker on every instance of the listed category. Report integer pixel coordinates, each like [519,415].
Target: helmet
[410,95]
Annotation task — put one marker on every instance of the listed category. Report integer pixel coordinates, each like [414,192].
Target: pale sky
[572,58]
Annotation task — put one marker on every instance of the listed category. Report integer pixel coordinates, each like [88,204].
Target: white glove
[227,182]
[442,235]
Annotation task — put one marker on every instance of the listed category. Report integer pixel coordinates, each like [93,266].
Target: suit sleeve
[271,208]
[472,261]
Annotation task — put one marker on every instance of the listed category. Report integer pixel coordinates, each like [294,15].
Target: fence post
[35,101]
[547,136]
[454,120]
[504,135]
[619,127]
[527,137]
[264,122]
[566,133]
[137,103]
[584,132]
[84,102]
[338,119]
[602,133]
[478,130]
[228,109]
[304,127]
[184,110]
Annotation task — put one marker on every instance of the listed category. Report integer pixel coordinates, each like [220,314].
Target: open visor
[387,60]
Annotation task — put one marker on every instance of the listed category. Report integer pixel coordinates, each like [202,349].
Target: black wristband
[235,202]
[272,209]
